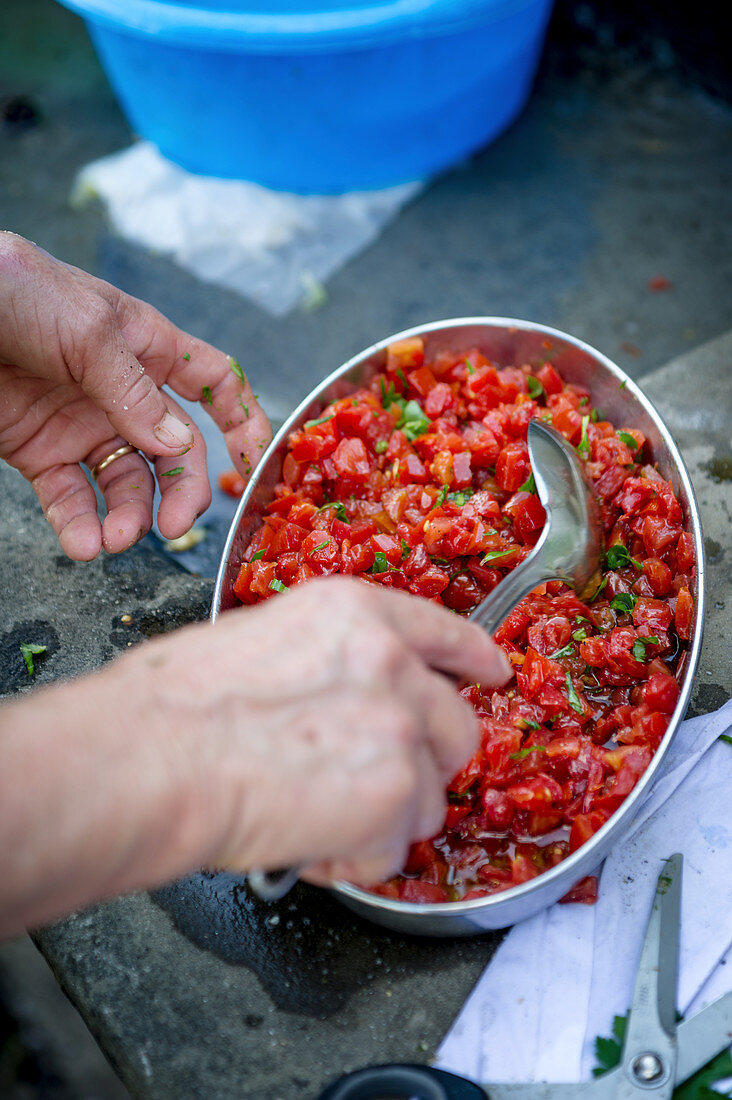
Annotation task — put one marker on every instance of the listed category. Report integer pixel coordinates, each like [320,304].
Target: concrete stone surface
[614,174]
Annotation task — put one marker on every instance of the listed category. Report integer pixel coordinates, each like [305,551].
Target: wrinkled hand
[81,371]
[323,726]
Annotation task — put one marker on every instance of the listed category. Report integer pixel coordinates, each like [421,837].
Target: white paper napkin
[558,979]
[275,248]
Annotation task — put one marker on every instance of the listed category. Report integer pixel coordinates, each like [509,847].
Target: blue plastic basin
[343,98]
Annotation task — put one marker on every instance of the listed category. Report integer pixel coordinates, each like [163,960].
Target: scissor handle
[397,1081]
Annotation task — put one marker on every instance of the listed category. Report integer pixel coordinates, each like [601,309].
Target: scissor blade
[703,1036]
[649,1050]
[603,1088]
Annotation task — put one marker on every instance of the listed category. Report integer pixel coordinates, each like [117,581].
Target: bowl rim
[583,857]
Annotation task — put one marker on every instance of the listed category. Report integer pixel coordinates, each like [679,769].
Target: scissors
[658,1053]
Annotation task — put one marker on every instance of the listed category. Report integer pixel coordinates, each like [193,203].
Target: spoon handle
[501,601]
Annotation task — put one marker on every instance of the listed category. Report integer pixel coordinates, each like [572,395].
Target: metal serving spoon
[568,550]
[569,547]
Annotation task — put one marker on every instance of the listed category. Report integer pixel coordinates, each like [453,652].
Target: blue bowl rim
[375,23]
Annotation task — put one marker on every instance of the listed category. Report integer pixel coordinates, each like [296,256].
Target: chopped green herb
[618,556]
[320,420]
[608,1051]
[494,555]
[523,753]
[581,619]
[461,496]
[583,400]
[257,555]
[29,650]
[206,394]
[278,586]
[531,724]
[572,695]
[389,395]
[594,416]
[726,738]
[237,369]
[441,497]
[624,601]
[598,590]
[187,356]
[623,384]
[316,548]
[565,651]
[381,564]
[583,447]
[406,549]
[173,472]
[401,376]
[469,365]
[413,421]
[529,486]
[579,635]
[536,389]
[245,408]
[629,440]
[639,646]
[339,507]
[381,445]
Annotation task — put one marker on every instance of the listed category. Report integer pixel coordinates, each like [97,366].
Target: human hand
[324,725]
[81,371]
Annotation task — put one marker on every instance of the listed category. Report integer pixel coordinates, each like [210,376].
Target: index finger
[444,640]
[198,372]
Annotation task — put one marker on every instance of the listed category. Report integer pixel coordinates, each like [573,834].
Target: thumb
[114,379]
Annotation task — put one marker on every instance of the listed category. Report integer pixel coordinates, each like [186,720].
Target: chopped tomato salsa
[421,481]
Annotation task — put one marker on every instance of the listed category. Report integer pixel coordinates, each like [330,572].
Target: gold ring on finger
[128,449]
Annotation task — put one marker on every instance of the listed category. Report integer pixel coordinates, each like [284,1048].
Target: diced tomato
[442,507]
[414,890]
[684,614]
[584,891]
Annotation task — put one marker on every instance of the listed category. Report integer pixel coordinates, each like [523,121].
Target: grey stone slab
[694,396]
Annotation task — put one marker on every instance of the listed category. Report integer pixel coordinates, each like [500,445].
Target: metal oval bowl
[505,342]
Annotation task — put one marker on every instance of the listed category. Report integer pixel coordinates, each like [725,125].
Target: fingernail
[172,433]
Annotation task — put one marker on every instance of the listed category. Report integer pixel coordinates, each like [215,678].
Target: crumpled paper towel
[558,979]
[273,247]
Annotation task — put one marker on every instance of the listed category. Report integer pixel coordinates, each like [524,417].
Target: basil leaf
[381,564]
[380,446]
[536,389]
[529,486]
[206,394]
[469,365]
[523,753]
[258,555]
[639,646]
[441,497]
[461,496]
[316,548]
[29,650]
[583,447]
[406,549]
[598,590]
[629,441]
[339,507]
[618,556]
[579,635]
[278,586]
[320,420]
[531,724]
[565,651]
[572,695]
[237,369]
[624,601]
[494,555]
[413,421]
[173,472]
